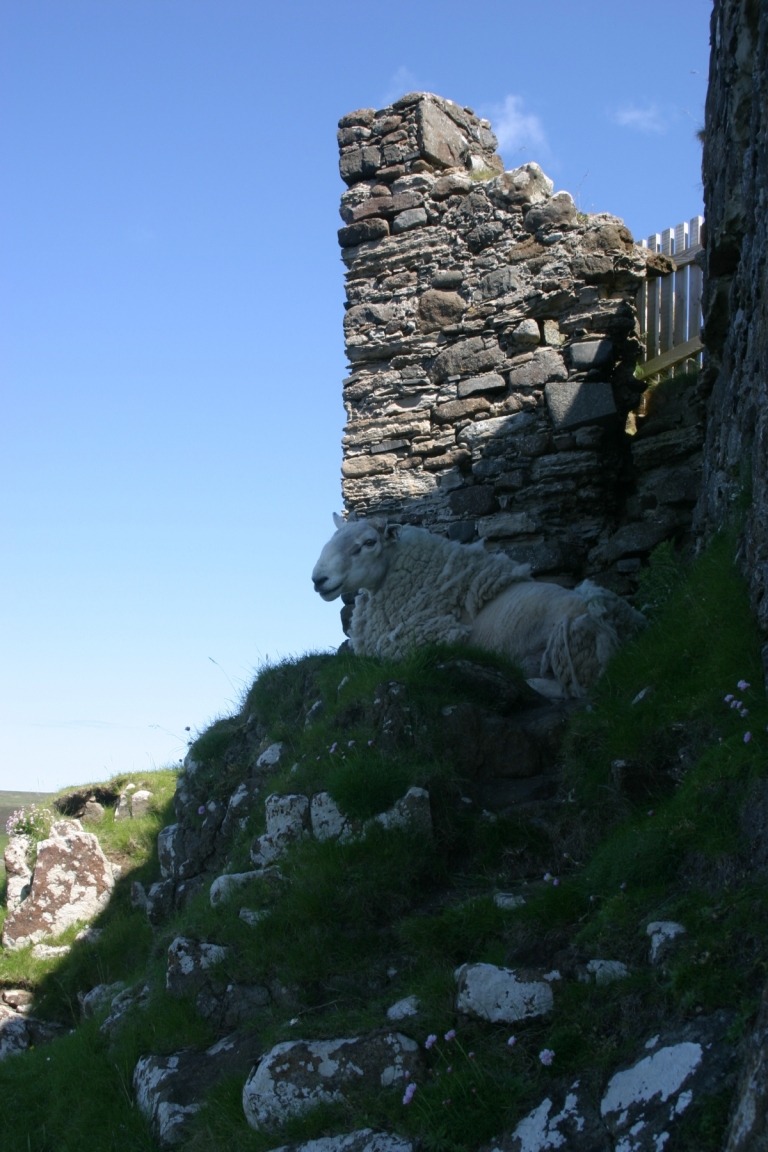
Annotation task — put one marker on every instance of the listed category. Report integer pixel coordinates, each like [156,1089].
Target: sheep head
[355,557]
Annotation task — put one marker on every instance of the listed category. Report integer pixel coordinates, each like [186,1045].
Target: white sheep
[412,588]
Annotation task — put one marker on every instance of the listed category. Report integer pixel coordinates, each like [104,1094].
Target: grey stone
[524,185]
[363,233]
[467,357]
[169,1090]
[295,1076]
[441,141]
[573,403]
[501,995]
[590,354]
[748,1127]
[544,366]
[488,382]
[412,218]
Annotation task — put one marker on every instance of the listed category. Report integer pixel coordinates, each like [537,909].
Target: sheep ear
[392,531]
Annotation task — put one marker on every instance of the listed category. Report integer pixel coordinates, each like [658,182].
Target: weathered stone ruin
[735,167]
[492,337]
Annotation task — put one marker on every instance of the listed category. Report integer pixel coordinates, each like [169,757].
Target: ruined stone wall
[735,164]
[491,335]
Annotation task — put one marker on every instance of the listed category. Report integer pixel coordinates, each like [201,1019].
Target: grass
[657,777]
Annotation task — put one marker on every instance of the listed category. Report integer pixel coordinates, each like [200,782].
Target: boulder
[71,882]
[297,1075]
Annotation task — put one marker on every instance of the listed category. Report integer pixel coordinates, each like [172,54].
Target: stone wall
[491,335]
[735,478]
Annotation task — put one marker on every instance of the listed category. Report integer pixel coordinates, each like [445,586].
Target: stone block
[588,354]
[572,403]
[441,141]
[412,218]
[363,232]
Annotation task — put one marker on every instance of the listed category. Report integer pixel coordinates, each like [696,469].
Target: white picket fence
[669,307]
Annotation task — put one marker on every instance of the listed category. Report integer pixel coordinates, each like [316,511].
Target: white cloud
[401,83]
[646,119]
[520,133]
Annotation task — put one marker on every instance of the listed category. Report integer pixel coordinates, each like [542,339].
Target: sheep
[412,587]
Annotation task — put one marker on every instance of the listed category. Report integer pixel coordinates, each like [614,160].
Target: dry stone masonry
[736,286]
[491,332]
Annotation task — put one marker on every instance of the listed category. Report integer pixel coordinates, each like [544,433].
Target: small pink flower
[727,699]
[430,1040]
[747,737]
[450,1034]
[201,810]
[742,685]
[409,1093]
[333,747]
[546,1056]
[512,1041]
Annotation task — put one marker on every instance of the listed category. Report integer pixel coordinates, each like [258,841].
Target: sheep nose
[319,582]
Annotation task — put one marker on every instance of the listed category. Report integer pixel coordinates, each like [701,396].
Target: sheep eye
[369,543]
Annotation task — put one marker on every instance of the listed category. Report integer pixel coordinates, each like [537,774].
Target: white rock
[607,971]
[662,933]
[223,887]
[499,995]
[327,819]
[659,1075]
[270,756]
[409,1006]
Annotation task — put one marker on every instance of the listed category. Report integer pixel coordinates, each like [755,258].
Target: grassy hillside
[661,777]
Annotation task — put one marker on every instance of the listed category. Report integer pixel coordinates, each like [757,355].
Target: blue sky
[171,351]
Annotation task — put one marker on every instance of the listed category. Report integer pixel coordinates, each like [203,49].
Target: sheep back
[433,590]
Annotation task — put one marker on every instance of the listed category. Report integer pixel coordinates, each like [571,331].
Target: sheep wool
[433,591]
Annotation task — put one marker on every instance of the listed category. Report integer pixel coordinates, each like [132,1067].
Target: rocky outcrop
[735,167]
[70,883]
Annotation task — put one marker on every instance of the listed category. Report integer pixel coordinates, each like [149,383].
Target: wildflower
[350,744]
[546,1056]
[409,1093]
[430,1040]
[743,712]
[727,699]
[747,737]
[742,685]
[450,1034]
[333,747]
[201,810]
[512,1041]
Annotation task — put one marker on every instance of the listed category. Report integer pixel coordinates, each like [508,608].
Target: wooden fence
[669,307]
